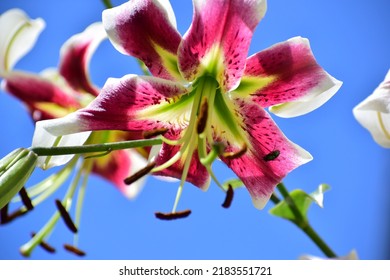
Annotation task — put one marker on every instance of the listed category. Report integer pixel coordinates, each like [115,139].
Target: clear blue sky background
[349,38]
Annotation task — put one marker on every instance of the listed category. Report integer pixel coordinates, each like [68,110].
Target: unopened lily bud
[15,169]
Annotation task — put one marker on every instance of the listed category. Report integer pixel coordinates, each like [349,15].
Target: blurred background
[349,38]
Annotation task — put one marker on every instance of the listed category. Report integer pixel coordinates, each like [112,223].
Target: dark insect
[272,155]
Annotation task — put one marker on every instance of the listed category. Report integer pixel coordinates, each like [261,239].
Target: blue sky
[350,39]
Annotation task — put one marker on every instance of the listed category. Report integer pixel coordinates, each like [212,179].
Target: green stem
[107,4]
[300,219]
[301,222]
[313,235]
[93,148]
[275,199]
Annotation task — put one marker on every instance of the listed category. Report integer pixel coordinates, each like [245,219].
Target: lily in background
[373,113]
[55,93]
[206,96]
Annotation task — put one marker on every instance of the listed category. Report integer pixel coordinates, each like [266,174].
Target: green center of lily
[205,117]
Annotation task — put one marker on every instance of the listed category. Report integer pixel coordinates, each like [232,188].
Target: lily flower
[373,113]
[206,93]
[55,93]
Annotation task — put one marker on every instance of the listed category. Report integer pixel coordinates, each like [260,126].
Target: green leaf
[302,200]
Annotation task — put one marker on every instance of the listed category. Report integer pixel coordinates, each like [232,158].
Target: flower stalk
[93,148]
[302,222]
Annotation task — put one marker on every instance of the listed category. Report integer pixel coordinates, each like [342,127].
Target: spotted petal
[373,113]
[18,34]
[218,39]
[44,95]
[132,103]
[146,29]
[75,56]
[287,77]
[269,155]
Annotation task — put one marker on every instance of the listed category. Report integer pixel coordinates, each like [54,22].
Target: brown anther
[6,218]
[44,245]
[234,155]
[229,197]
[173,216]
[16,214]
[4,215]
[272,155]
[65,216]
[203,115]
[139,174]
[26,199]
[156,132]
[74,250]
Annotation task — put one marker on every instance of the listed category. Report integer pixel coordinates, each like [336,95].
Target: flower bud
[15,169]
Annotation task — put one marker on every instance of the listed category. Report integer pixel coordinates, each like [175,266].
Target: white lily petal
[317,97]
[351,256]
[44,137]
[373,113]
[18,34]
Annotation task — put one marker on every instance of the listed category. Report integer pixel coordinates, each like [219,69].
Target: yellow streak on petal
[382,125]
[169,61]
[53,109]
[251,84]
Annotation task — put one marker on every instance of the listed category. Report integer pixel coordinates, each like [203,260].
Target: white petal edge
[373,113]
[317,97]
[351,256]
[18,34]
[45,136]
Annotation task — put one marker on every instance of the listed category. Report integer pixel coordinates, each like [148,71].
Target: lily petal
[219,38]
[270,156]
[373,113]
[287,77]
[44,98]
[18,34]
[132,103]
[76,54]
[43,138]
[146,30]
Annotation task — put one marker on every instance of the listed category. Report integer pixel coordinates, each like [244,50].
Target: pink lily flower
[205,90]
[55,93]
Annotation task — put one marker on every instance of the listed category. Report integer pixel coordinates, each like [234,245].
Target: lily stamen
[26,199]
[234,155]
[203,115]
[173,216]
[44,245]
[6,218]
[229,197]
[139,174]
[74,250]
[65,216]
